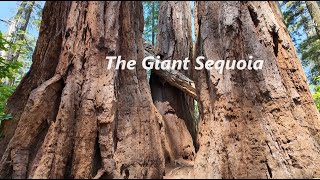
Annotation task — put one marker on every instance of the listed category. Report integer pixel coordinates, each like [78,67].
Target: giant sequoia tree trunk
[254,124]
[82,120]
[174,42]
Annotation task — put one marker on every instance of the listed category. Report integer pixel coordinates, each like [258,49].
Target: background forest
[20,21]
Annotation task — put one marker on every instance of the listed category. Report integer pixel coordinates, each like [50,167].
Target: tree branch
[8,22]
[173,77]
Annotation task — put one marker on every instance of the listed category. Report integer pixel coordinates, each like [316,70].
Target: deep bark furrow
[256,112]
[106,95]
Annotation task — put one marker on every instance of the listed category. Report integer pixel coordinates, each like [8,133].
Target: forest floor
[180,169]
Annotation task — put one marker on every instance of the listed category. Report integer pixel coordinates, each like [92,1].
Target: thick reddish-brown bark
[74,118]
[254,124]
[80,119]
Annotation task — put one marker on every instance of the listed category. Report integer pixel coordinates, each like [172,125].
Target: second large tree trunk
[254,124]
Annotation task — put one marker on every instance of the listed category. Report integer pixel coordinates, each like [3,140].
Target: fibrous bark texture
[174,42]
[74,117]
[44,62]
[253,124]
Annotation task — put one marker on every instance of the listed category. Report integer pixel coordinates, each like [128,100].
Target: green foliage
[302,31]
[20,46]
[27,19]
[316,94]
[151,12]
[5,92]
[24,48]
[7,71]
[297,19]
[310,56]
[36,16]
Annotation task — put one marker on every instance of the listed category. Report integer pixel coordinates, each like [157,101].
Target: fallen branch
[173,77]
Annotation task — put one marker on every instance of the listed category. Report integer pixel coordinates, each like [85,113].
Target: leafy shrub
[7,72]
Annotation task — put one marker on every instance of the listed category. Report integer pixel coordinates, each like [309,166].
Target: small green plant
[8,70]
[316,94]
[5,92]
